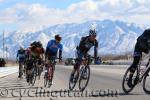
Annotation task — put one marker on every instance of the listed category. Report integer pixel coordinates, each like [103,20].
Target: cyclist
[35,53]
[82,50]
[20,58]
[142,45]
[52,48]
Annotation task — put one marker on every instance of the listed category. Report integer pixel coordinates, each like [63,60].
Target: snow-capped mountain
[115,37]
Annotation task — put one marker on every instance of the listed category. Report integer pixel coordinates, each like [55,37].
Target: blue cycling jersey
[53,46]
[21,54]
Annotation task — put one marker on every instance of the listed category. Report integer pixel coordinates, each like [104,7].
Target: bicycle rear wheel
[84,77]
[125,87]
[146,83]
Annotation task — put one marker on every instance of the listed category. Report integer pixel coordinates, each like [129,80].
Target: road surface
[105,84]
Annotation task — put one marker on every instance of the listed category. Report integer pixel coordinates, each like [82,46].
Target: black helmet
[39,44]
[57,37]
[36,44]
[92,32]
[33,43]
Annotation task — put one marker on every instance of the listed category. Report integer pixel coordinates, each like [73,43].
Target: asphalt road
[105,84]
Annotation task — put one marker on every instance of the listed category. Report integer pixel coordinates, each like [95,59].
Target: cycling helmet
[92,33]
[57,37]
[33,43]
[39,44]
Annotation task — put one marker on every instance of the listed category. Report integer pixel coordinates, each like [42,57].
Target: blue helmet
[92,32]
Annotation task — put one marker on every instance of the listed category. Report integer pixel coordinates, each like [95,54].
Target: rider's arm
[95,49]
[60,51]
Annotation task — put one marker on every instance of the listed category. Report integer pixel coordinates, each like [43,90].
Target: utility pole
[6,52]
[3,43]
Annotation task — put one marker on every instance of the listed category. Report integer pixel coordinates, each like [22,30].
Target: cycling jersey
[21,54]
[142,42]
[52,48]
[86,44]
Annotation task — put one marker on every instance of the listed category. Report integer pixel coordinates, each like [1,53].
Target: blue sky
[58,4]
[49,3]
[33,15]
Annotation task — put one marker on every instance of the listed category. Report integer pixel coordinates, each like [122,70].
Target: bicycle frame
[145,71]
[51,64]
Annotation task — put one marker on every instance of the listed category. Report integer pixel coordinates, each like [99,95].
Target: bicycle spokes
[146,84]
[84,78]
[129,83]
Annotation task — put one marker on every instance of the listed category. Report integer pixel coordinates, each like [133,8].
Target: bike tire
[51,79]
[87,68]
[127,91]
[146,79]
[45,80]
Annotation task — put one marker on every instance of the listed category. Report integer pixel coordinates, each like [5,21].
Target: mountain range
[114,37]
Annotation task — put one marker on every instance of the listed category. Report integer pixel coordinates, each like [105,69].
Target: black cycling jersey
[145,35]
[86,44]
[142,42]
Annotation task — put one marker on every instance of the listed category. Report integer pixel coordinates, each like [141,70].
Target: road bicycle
[141,74]
[84,75]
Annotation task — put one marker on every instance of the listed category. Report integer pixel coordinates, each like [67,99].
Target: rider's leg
[137,58]
[19,69]
[77,66]
[134,65]
[28,69]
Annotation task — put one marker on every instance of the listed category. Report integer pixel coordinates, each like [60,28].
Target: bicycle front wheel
[34,76]
[125,87]
[146,83]
[50,78]
[84,77]
[45,79]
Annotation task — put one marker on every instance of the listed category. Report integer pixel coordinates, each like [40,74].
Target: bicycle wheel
[50,78]
[146,83]
[39,71]
[125,87]
[72,83]
[84,77]
[34,76]
[45,79]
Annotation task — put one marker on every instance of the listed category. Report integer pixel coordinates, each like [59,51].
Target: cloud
[1,1]
[34,16]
